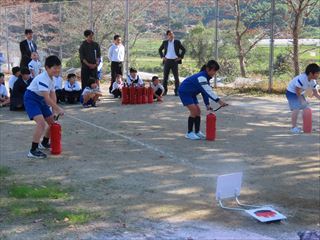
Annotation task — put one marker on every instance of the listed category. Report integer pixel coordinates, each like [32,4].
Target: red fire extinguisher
[150,95]
[144,96]
[307,120]
[139,95]
[125,95]
[55,137]
[132,94]
[211,127]
[211,122]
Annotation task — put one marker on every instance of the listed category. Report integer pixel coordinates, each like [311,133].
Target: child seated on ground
[58,81]
[4,98]
[19,88]
[158,89]
[90,95]
[295,92]
[134,78]
[34,65]
[13,78]
[72,89]
[117,87]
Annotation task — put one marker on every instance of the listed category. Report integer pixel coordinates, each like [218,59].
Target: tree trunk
[295,37]
[241,56]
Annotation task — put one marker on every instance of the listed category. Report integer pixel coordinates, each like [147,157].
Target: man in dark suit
[27,46]
[172,56]
[90,55]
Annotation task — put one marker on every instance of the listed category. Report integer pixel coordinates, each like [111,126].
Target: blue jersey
[198,83]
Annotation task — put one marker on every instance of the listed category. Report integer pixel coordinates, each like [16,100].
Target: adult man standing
[172,56]
[116,57]
[90,54]
[27,47]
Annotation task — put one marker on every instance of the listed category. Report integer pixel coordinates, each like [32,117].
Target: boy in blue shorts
[188,91]
[90,95]
[38,98]
[295,92]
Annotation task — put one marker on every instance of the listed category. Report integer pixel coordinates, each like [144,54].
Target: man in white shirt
[172,56]
[27,46]
[116,57]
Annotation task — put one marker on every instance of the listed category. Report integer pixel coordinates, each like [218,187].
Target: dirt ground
[133,166]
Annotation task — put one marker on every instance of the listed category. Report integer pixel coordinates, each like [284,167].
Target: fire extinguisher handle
[56,118]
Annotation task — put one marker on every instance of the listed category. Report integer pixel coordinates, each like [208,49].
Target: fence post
[127,37]
[60,31]
[271,47]
[216,52]
[7,38]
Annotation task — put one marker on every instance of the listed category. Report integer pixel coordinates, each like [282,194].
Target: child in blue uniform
[38,99]
[188,91]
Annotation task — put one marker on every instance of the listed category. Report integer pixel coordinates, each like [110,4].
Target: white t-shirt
[171,54]
[35,66]
[3,91]
[71,87]
[130,80]
[156,87]
[116,85]
[58,81]
[116,53]
[12,80]
[42,83]
[90,90]
[301,81]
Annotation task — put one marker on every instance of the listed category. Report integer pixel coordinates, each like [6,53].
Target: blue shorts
[188,99]
[294,102]
[36,105]
[90,101]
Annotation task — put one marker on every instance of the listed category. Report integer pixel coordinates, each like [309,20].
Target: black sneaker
[36,154]
[43,146]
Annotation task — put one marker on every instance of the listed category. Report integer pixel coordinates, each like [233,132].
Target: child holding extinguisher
[38,98]
[295,92]
[188,91]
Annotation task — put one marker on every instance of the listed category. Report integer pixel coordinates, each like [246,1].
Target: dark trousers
[158,92]
[116,93]
[86,73]
[72,96]
[171,64]
[60,95]
[116,68]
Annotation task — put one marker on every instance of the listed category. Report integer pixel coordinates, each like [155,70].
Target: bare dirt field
[136,176]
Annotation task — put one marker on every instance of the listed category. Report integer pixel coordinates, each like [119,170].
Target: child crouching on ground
[158,89]
[4,97]
[295,92]
[38,99]
[117,87]
[90,95]
[72,89]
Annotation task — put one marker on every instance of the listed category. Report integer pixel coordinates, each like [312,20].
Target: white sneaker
[296,130]
[192,136]
[201,135]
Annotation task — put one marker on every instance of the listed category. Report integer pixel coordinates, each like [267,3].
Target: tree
[247,31]
[299,10]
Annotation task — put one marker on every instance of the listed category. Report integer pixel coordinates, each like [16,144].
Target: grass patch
[28,191]
[30,208]
[4,171]
[78,217]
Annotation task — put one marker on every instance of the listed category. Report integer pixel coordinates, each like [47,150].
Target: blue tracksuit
[195,84]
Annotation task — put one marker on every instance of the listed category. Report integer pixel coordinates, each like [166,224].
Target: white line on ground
[138,142]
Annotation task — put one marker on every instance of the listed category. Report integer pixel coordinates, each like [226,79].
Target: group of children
[133,79]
